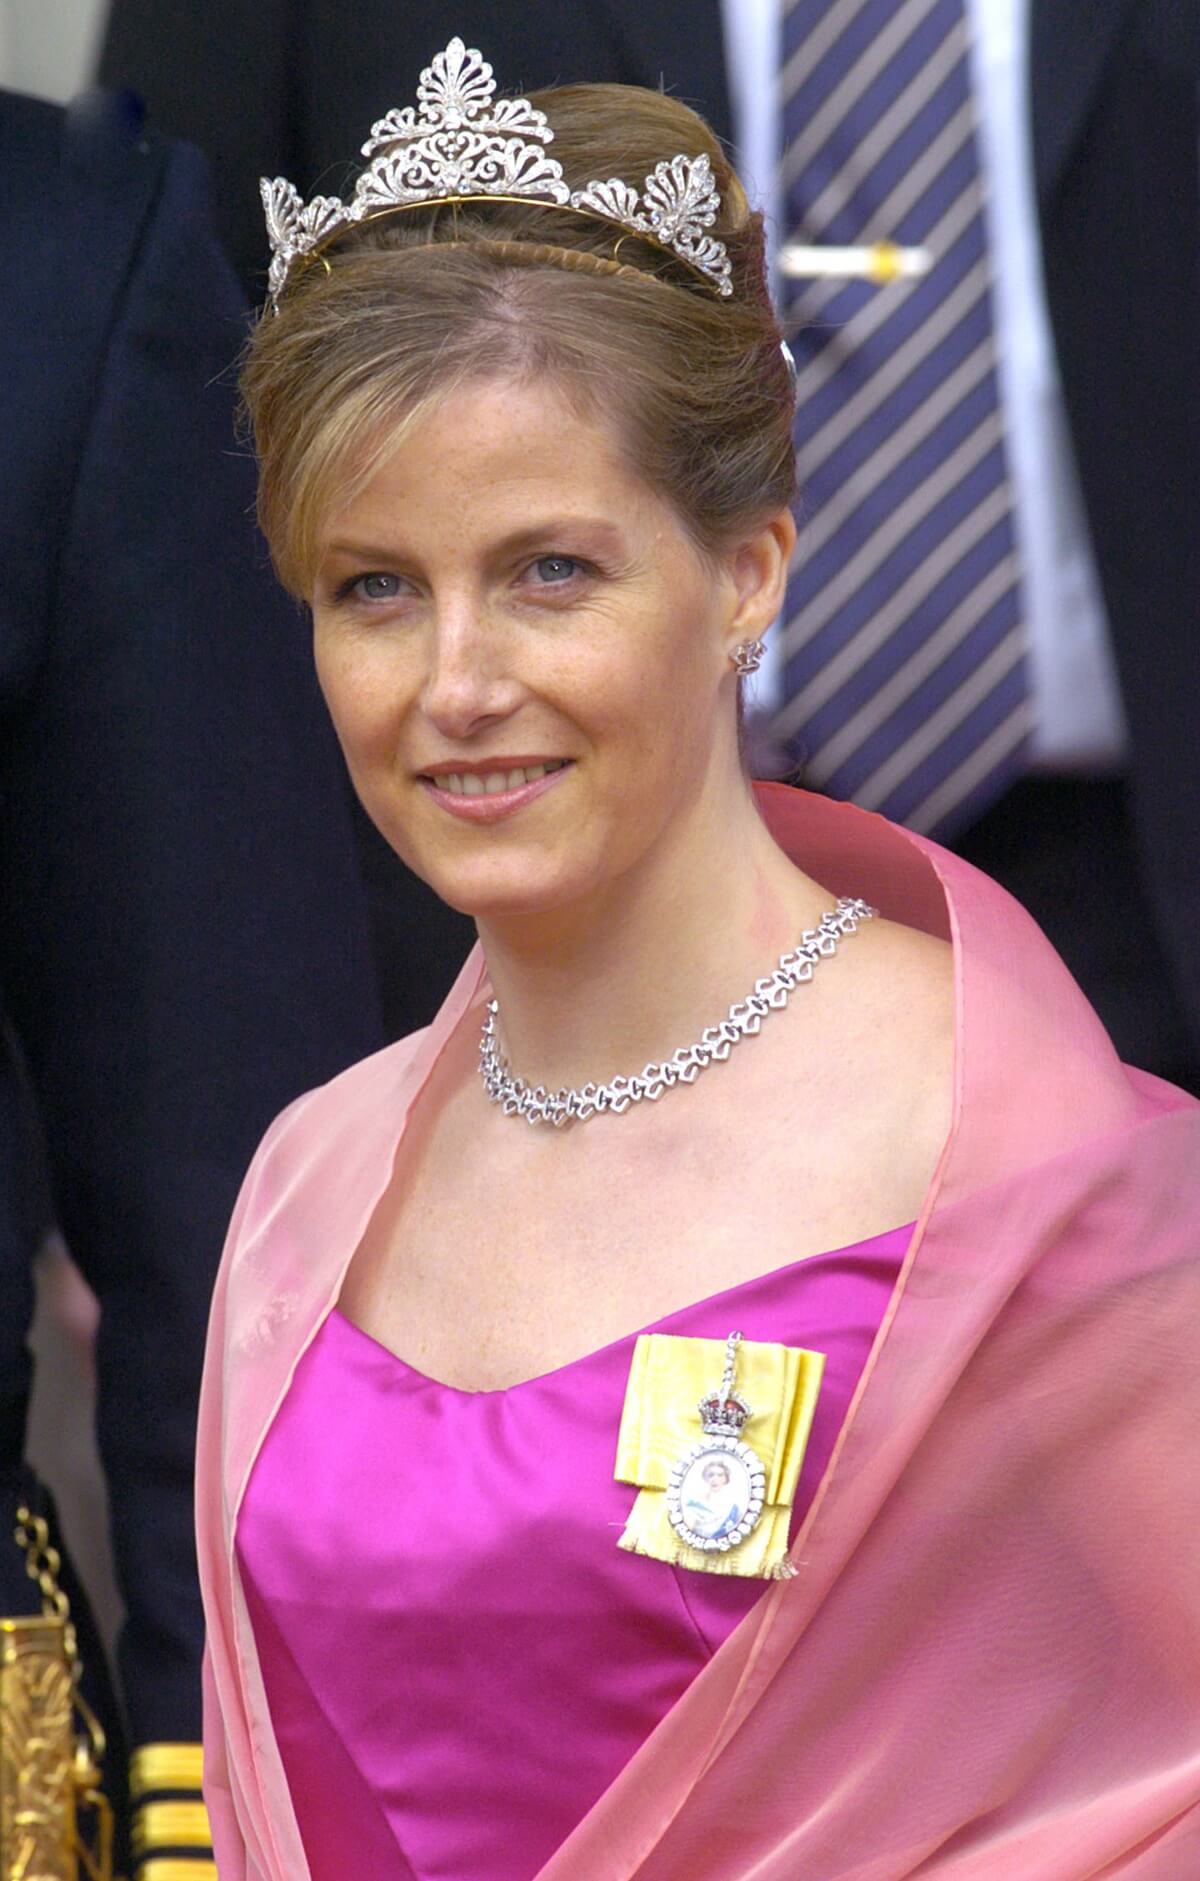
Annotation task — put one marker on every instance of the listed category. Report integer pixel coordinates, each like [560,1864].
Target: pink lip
[503,803]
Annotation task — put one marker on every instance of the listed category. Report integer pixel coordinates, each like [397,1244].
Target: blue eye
[556,568]
[378,587]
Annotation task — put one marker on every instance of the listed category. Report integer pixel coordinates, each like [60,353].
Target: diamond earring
[747,656]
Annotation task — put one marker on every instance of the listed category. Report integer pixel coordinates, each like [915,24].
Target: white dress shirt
[1078,718]
[50,50]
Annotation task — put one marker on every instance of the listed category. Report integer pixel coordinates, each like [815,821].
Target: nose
[468,686]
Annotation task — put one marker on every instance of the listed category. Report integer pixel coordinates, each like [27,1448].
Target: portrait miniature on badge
[715,1491]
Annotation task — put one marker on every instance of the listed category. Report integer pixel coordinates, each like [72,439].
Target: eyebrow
[542,532]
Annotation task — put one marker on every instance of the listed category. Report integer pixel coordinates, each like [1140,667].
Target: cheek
[365,691]
[655,682]
[671,704]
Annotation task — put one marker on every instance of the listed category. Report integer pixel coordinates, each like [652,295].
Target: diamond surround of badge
[715,1494]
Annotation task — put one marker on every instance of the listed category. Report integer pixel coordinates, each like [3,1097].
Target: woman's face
[525,657]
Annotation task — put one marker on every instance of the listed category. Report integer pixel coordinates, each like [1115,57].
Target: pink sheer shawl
[988,1664]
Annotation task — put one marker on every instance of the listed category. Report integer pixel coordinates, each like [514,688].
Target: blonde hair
[401,311]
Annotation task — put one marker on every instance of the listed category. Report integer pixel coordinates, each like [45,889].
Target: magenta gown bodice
[458,1658]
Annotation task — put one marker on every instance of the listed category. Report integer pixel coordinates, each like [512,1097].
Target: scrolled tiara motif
[463,144]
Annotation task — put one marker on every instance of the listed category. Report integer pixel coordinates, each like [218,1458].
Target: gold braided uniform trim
[176,1868]
[166,1767]
[171,1825]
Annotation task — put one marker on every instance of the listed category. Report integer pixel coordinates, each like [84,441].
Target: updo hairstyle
[398,312]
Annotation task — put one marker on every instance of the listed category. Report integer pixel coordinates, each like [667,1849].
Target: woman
[901,1225]
[713,1508]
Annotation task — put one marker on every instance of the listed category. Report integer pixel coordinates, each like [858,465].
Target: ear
[757,568]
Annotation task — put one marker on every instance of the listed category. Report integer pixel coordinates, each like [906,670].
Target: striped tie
[904,677]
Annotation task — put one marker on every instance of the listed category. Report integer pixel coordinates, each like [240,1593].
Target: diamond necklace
[537,1105]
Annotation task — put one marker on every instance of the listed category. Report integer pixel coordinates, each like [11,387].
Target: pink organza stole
[988,1666]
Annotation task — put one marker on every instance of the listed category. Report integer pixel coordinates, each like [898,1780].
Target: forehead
[488,452]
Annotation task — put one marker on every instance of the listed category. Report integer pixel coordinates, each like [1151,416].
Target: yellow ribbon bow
[661,1421]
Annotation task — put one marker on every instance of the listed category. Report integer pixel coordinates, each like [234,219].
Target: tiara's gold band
[302,262]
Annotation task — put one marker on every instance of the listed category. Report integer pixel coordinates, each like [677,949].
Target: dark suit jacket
[1114,86]
[182,937]
[1113,99]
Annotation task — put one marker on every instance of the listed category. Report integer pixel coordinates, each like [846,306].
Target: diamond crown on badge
[722,1414]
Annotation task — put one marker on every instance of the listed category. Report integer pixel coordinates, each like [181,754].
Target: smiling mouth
[492,783]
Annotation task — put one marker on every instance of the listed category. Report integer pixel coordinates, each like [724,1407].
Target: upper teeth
[491,783]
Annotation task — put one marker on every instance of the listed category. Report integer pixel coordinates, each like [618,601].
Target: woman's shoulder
[902,1000]
[902,1040]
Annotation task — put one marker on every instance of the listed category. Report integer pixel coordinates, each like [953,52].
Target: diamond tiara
[463,144]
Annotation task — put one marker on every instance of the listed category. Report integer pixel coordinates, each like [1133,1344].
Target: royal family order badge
[715,1491]
[722,1504]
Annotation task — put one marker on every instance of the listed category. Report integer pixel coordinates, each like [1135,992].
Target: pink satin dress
[457,1656]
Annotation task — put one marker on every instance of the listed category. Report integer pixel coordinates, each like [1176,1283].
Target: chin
[501,900]
[494,888]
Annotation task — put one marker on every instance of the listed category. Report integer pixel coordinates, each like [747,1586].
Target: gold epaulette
[175,1868]
[171,1837]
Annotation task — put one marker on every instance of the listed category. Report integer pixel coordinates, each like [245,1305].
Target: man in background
[182,938]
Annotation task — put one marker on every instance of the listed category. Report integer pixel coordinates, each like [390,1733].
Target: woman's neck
[592,993]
